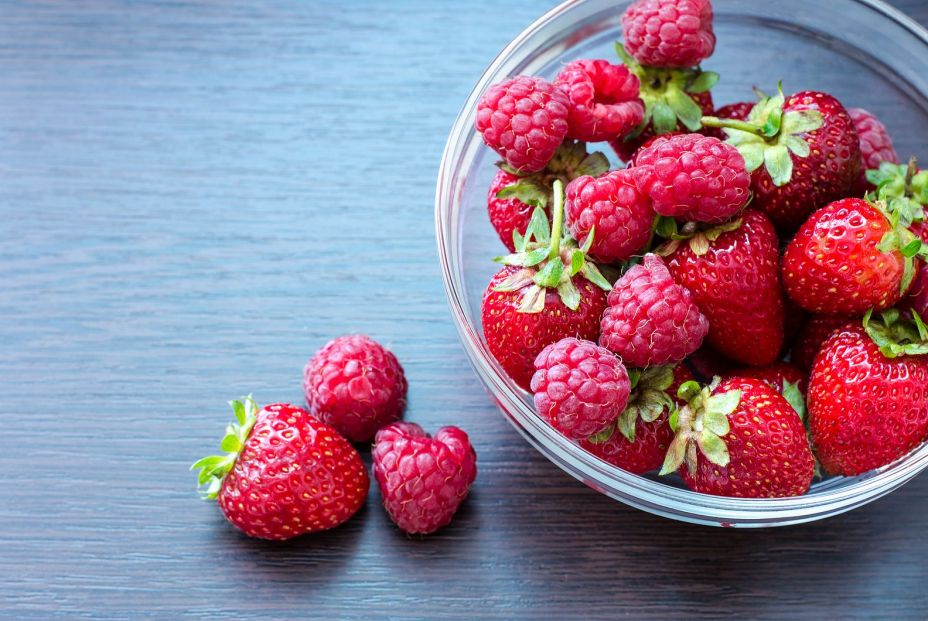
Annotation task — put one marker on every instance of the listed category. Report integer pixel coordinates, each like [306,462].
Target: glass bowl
[862,51]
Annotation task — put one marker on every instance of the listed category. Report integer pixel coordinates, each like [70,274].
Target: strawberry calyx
[770,135]
[570,161]
[667,94]
[550,258]
[214,468]
[648,400]
[897,334]
[794,397]
[700,426]
[699,236]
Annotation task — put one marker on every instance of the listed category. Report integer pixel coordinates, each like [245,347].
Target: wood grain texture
[193,198]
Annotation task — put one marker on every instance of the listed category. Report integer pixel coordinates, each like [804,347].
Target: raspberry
[422,479]
[669,33]
[579,387]
[355,385]
[875,145]
[604,102]
[650,320]
[524,120]
[622,216]
[507,214]
[693,177]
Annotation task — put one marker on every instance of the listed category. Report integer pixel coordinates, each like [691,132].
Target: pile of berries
[289,471]
[742,303]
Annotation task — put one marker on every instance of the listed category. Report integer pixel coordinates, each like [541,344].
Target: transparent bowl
[864,52]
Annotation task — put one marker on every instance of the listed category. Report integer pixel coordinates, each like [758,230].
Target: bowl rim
[638,491]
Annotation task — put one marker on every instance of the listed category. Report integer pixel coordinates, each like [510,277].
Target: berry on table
[356,385]
[285,473]
[422,479]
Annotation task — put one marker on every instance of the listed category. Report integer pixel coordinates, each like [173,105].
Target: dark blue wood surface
[193,198]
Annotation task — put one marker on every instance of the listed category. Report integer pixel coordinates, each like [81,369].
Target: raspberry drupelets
[355,385]
[650,320]
[693,177]
[524,120]
[875,145]
[611,206]
[423,480]
[669,33]
[579,387]
[604,101]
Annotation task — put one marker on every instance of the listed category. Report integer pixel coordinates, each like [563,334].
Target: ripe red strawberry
[706,363]
[733,273]
[614,210]
[794,318]
[693,177]
[524,120]
[423,480]
[669,33]
[815,331]
[803,150]
[642,434]
[868,402]
[650,320]
[838,262]
[512,199]
[285,474]
[675,99]
[355,385]
[579,387]
[604,102]
[740,438]
[776,375]
[547,291]
[875,146]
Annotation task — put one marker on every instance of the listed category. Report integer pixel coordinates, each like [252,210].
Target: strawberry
[639,439]
[814,332]
[850,256]
[285,473]
[868,394]
[778,375]
[547,291]
[675,99]
[803,150]
[739,437]
[706,363]
[512,198]
[732,271]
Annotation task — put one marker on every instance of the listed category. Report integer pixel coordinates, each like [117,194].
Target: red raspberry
[669,33]
[738,111]
[604,102]
[355,385]
[875,145]
[507,214]
[612,203]
[524,120]
[815,331]
[693,177]
[650,320]
[651,440]
[579,387]
[422,479]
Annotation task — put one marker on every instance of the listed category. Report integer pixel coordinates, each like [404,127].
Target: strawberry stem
[910,171]
[557,227]
[714,121]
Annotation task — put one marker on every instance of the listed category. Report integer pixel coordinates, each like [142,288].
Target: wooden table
[193,198]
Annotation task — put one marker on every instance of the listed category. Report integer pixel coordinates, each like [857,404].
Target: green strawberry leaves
[896,335]
[794,397]
[647,401]
[214,468]
[698,237]
[700,427]
[899,195]
[771,136]
[550,258]
[667,95]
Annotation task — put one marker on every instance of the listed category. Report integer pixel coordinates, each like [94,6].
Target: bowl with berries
[684,244]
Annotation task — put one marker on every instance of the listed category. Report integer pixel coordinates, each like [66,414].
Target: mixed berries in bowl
[709,289]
